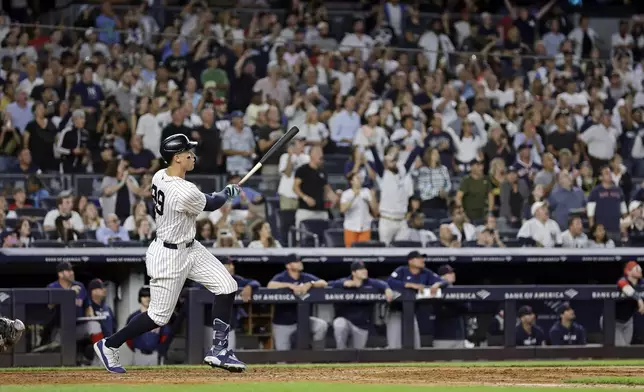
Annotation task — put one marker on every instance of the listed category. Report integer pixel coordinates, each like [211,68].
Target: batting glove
[232,191]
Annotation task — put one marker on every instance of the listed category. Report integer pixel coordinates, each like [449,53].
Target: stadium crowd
[534,141]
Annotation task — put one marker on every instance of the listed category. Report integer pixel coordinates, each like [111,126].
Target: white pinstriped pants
[168,270]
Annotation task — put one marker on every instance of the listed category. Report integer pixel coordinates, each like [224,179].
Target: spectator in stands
[9,239]
[358,165]
[262,236]
[113,231]
[24,236]
[36,190]
[547,175]
[64,205]
[586,180]
[540,231]
[146,346]
[143,232]
[25,163]
[632,226]
[72,145]
[525,166]
[285,316]
[266,138]
[176,124]
[210,156]
[606,203]
[19,199]
[312,189]
[514,197]
[528,333]
[238,144]
[91,93]
[359,205]
[413,277]
[91,220]
[40,137]
[566,332]
[415,231]
[119,190]
[599,238]
[446,238]
[9,145]
[205,230]
[19,113]
[621,177]
[288,165]
[226,238]
[565,198]
[371,133]
[433,182]
[354,320]
[147,126]
[314,132]
[601,140]
[460,227]
[574,237]
[97,293]
[139,211]
[140,160]
[344,125]
[396,187]
[473,194]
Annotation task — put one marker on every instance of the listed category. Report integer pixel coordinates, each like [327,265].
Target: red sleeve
[130,344]
[622,283]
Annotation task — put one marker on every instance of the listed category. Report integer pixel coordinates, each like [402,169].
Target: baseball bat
[287,137]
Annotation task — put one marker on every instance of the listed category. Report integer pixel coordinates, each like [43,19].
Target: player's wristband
[215,201]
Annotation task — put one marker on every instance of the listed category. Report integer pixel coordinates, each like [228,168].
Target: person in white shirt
[262,236]
[446,104]
[32,80]
[64,205]
[288,164]
[407,136]
[460,227]
[314,132]
[357,40]
[622,40]
[577,36]
[371,134]
[601,140]
[148,127]
[540,230]
[599,238]
[574,237]
[468,144]
[434,42]
[414,231]
[357,204]
[345,124]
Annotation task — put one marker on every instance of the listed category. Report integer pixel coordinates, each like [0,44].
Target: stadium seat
[446,221]
[469,244]
[407,244]
[47,244]
[313,226]
[207,243]
[86,244]
[31,212]
[51,234]
[334,164]
[368,244]
[512,243]
[334,238]
[508,233]
[90,234]
[432,244]
[10,223]
[337,223]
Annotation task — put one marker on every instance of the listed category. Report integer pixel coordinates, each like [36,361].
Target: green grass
[284,387]
[608,380]
[585,363]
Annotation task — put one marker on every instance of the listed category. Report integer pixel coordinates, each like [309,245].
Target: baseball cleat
[109,357]
[225,359]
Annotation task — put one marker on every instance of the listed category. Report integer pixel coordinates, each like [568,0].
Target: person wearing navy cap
[566,332]
[285,316]
[238,144]
[353,320]
[527,332]
[97,294]
[449,326]
[412,277]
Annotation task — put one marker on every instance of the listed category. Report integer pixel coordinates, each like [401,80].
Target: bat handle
[250,173]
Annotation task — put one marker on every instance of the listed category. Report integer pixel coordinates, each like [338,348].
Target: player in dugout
[449,326]
[285,316]
[566,332]
[146,347]
[246,287]
[353,320]
[411,277]
[85,330]
[624,310]
[528,333]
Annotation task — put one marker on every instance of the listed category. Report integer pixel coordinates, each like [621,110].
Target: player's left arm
[215,201]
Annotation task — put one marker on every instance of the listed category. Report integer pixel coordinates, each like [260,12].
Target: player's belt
[178,246]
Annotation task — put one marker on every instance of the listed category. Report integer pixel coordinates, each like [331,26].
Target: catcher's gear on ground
[10,332]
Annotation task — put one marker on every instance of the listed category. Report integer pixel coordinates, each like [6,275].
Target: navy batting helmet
[175,144]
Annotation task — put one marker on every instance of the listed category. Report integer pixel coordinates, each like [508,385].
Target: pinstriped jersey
[177,203]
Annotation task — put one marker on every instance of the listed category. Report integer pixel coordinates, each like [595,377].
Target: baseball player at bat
[175,256]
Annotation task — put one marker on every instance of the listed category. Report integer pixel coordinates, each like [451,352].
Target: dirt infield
[363,375]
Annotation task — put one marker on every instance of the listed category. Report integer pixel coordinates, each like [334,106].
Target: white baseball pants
[387,229]
[343,329]
[168,270]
